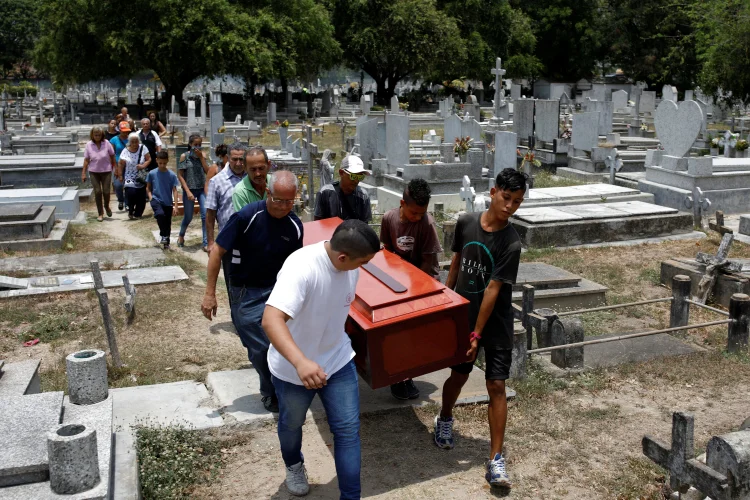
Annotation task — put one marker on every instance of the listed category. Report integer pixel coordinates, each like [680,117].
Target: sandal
[100,218]
[109,212]
[205,248]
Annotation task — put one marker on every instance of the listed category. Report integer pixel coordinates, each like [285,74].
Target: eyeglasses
[279,201]
[237,160]
[356,177]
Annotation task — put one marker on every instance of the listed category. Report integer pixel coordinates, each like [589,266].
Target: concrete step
[19,378]
[38,227]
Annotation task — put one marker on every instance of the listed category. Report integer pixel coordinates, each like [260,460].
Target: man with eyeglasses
[344,198]
[219,207]
[253,187]
[259,238]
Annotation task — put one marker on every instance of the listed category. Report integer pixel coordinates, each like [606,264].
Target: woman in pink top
[99,160]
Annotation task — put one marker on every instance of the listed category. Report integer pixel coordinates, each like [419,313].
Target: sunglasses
[356,177]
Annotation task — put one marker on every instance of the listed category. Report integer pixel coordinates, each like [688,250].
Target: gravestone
[677,127]
[505,152]
[523,117]
[217,121]
[367,138]
[500,109]
[191,122]
[547,118]
[271,112]
[397,140]
[648,101]
[620,100]
[689,95]
[467,193]
[669,93]
[515,92]
[585,131]
[605,110]
[394,105]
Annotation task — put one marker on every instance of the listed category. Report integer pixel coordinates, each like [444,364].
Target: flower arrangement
[742,145]
[567,134]
[221,130]
[717,143]
[403,106]
[462,145]
[644,127]
[528,157]
[284,124]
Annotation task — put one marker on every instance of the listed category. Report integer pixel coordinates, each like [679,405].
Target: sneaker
[496,474]
[411,389]
[296,480]
[119,206]
[444,433]
[109,212]
[164,241]
[270,403]
[399,391]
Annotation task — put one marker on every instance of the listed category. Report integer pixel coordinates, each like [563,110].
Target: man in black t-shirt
[487,251]
[345,198]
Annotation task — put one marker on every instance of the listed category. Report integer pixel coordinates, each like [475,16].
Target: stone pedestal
[87,377]
[73,459]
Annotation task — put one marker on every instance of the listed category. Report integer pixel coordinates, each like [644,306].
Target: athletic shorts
[497,361]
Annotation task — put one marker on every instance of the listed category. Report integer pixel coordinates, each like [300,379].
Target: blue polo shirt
[119,145]
[259,244]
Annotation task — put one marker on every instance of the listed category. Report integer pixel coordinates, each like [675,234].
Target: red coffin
[401,335]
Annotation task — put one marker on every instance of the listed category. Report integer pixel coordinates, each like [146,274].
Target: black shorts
[497,361]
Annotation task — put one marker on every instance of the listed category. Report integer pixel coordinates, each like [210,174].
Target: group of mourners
[135,163]
[289,303]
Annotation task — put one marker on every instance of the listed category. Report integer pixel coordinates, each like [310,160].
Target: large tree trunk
[382,97]
[284,89]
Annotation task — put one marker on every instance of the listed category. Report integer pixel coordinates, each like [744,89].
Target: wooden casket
[402,322]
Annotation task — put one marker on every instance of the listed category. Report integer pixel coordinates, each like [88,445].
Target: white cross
[467,194]
[498,71]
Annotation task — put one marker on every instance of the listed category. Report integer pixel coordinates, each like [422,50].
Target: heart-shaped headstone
[678,127]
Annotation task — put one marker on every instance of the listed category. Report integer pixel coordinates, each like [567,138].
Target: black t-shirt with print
[484,257]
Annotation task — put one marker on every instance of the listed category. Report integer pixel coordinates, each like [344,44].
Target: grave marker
[500,108]
[467,193]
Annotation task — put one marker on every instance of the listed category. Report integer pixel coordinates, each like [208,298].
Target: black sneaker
[399,391]
[270,403]
[411,389]
[164,241]
[119,206]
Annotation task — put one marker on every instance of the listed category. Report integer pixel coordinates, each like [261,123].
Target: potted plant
[528,158]
[461,147]
[741,147]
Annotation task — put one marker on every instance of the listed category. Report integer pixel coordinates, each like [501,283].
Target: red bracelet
[474,336]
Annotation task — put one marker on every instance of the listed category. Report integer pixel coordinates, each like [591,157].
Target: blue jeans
[340,398]
[247,306]
[189,206]
[119,190]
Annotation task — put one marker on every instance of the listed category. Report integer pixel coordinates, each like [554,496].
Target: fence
[562,335]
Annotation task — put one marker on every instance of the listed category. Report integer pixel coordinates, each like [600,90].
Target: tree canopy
[18,26]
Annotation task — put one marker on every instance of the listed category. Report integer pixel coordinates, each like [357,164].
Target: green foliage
[172,459]
[652,41]
[568,36]
[494,29]
[393,40]
[18,26]
[723,46]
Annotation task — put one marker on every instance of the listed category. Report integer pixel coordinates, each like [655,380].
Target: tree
[491,30]
[723,46]
[652,41]
[569,43]
[18,27]
[82,40]
[393,40]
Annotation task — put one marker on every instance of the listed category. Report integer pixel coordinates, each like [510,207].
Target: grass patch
[650,275]
[173,460]
[640,479]
[83,238]
[545,179]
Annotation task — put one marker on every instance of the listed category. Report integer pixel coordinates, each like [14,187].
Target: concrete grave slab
[187,403]
[591,211]
[13,283]
[544,214]
[608,190]
[634,350]
[38,226]
[26,420]
[640,208]
[19,378]
[542,276]
[79,262]
[238,394]
[112,279]
[25,211]
[125,480]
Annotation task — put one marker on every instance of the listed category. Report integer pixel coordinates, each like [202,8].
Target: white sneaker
[296,480]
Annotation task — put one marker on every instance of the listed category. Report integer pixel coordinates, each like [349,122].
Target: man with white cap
[344,198]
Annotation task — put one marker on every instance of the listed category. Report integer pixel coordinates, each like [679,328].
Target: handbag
[142,174]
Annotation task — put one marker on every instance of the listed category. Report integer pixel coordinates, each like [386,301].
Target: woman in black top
[111,130]
[156,125]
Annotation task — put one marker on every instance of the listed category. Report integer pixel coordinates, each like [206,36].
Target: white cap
[353,164]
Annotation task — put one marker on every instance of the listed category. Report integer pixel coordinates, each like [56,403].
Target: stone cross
[498,71]
[613,164]
[677,459]
[467,194]
[714,264]
[719,226]
[699,203]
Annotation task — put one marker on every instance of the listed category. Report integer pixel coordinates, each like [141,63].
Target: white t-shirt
[317,297]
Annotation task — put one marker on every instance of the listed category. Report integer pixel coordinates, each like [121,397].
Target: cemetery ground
[577,437]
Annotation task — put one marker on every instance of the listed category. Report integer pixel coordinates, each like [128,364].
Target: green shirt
[245,193]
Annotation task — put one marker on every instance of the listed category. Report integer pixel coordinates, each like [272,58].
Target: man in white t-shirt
[311,353]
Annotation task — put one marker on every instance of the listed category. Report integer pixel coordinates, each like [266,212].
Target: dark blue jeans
[119,189]
[189,206]
[247,306]
[340,398]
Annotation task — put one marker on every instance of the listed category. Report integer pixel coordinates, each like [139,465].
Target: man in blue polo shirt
[260,236]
